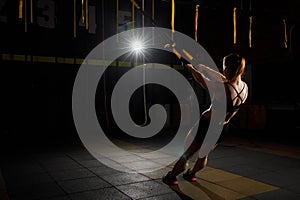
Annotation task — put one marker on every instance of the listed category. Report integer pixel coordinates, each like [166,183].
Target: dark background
[37,95]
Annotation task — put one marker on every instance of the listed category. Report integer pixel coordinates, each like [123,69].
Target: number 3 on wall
[48,18]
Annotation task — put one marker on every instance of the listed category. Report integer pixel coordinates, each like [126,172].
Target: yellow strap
[250,31]
[234,25]
[176,53]
[134,3]
[153,13]
[20,9]
[82,11]
[196,22]
[25,15]
[31,11]
[285,34]
[190,57]
[173,18]
[86,14]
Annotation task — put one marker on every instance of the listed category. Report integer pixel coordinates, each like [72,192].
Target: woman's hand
[201,67]
[189,66]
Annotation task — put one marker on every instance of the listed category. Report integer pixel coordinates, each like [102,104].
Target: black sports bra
[230,107]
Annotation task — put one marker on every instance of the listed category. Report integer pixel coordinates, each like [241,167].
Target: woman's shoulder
[245,85]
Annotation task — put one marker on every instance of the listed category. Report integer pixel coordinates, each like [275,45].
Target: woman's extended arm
[199,77]
[212,73]
[198,73]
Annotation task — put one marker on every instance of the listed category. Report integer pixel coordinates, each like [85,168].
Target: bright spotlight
[137,46]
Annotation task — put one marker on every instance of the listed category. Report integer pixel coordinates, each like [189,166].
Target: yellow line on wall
[124,64]
[69,60]
[79,61]
[46,59]
[65,60]
[13,57]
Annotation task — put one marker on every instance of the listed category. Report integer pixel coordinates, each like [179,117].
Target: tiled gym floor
[237,169]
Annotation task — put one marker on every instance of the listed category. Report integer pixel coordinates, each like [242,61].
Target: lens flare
[137,46]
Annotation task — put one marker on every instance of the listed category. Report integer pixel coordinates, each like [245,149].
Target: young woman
[236,93]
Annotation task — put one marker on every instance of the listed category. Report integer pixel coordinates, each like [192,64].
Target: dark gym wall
[39,60]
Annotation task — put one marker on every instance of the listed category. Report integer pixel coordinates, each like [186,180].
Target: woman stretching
[236,94]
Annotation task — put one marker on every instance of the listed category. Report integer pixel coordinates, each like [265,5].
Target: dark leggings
[180,165]
[202,130]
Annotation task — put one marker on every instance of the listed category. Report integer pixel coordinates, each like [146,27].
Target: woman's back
[237,93]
